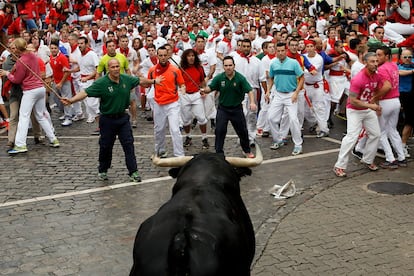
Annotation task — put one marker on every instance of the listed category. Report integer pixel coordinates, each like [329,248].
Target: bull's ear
[243,171]
[173,172]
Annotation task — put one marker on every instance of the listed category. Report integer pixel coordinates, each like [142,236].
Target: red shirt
[58,63]
[197,74]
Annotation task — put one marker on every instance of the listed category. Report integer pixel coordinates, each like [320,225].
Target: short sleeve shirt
[285,74]
[103,63]
[115,97]
[389,71]
[232,91]
[364,86]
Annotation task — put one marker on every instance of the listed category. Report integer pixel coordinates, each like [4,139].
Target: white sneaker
[62,117]
[406,153]
[78,117]
[66,122]
[90,120]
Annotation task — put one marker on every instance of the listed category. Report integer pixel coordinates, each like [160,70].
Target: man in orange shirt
[167,105]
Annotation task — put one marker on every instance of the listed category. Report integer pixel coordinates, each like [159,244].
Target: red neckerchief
[238,32]
[95,35]
[185,40]
[73,47]
[246,57]
[159,70]
[271,56]
[331,42]
[379,23]
[228,42]
[353,51]
[154,60]
[125,52]
[199,52]
[86,33]
[87,49]
[215,35]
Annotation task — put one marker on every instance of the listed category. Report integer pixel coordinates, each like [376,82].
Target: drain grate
[392,188]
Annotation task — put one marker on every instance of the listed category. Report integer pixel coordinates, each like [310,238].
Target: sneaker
[276,145]
[62,117]
[38,140]
[162,154]
[55,143]
[66,122]
[249,155]
[103,175]
[96,132]
[259,132]
[406,153]
[78,117]
[357,154]
[297,150]
[322,134]
[17,150]
[134,124]
[402,163]
[188,141]
[339,172]
[135,177]
[206,145]
[90,119]
[313,127]
[265,134]
[372,167]
[389,165]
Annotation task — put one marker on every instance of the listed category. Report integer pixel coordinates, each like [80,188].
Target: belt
[115,116]
[336,73]
[188,92]
[315,84]
[82,75]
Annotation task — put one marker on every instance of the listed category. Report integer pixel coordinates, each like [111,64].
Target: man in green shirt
[113,89]
[232,86]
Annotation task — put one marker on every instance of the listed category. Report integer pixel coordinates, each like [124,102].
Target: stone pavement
[57,218]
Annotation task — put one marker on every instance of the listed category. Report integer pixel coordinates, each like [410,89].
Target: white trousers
[192,107]
[402,29]
[355,120]
[35,100]
[251,116]
[388,124]
[168,113]
[210,105]
[278,104]
[317,98]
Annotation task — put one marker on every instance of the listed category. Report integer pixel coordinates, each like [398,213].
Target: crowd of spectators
[339,35]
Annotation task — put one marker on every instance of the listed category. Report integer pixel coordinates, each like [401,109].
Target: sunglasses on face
[407,56]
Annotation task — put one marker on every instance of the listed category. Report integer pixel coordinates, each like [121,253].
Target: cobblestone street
[58,218]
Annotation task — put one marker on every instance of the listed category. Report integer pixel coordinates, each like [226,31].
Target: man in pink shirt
[361,111]
[390,104]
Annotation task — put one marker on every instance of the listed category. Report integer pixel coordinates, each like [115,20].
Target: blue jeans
[111,126]
[31,24]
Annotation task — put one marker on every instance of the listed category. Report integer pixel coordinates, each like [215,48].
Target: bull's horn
[247,162]
[171,162]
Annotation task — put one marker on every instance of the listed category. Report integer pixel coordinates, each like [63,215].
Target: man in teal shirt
[232,86]
[114,91]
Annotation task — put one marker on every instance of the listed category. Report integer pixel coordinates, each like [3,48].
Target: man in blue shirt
[287,76]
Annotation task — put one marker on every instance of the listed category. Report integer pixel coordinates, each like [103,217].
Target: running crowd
[268,67]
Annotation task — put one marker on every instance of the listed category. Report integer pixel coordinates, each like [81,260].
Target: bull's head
[234,161]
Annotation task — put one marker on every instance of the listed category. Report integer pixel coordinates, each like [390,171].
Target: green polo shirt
[231,91]
[114,96]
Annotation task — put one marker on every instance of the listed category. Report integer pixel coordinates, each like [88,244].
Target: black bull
[204,229]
